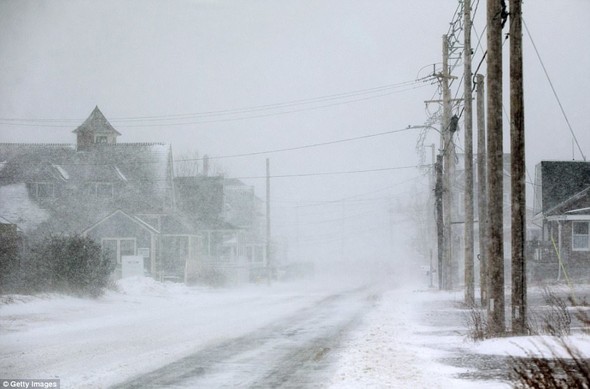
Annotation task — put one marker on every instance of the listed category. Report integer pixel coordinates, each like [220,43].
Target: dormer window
[43,190]
[100,189]
[101,139]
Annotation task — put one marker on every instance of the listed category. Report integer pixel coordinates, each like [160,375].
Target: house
[562,211]
[97,187]
[124,196]
[243,209]
[230,220]
[201,199]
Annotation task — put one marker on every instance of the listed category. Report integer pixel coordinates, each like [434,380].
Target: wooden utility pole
[482,190]
[496,316]
[448,162]
[517,171]
[268,245]
[438,195]
[469,265]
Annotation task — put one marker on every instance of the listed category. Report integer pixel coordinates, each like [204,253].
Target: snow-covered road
[150,327]
[293,351]
[302,335]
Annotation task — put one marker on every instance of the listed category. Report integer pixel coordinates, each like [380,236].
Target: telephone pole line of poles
[438,190]
[482,190]
[517,171]
[469,263]
[448,167]
[496,306]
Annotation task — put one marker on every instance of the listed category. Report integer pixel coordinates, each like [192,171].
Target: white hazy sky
[147,58]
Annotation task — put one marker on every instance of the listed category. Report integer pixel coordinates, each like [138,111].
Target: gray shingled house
[562,210]
[121,194]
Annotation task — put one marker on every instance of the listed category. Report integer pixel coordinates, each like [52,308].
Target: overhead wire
[554,91]
[334,173]
[200,117]
[313,145]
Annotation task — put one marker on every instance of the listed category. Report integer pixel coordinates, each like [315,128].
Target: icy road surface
[150,334]
[297,335]
[291,352]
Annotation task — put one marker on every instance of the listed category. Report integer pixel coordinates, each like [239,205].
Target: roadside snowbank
[405,341]
[393,349]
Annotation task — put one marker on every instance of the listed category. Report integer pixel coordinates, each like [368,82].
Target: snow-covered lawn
[96,343]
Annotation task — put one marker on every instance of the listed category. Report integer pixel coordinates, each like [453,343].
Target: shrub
[477,323]
[73,264]
[553,319]
[554,372]
[9,261]
[568,369]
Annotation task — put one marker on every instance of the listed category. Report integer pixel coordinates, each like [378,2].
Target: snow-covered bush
[9,261]
[68,264]
[564,369]
[477,323]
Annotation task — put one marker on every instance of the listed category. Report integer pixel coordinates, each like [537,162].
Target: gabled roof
[140,175]
[133,162]
[96,123]
[558,181]
[574,204]
[123,214]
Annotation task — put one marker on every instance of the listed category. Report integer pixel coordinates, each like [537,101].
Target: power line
[336,173]
[343,199]
[290,103]
[299,147]
[312,145]
[553,89]
[345,98]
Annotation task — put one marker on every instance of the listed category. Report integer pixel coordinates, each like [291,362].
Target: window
[118,247]
[101,139]
[127,246]
[42,190]
[45,189]
[100,189]
[581,236]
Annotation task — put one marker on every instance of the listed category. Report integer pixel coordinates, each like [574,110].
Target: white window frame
[93,186]
[101,139]
[118,253]
[574,248]
[49,184]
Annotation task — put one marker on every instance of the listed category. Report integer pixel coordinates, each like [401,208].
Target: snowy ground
[405,338]
[419,339]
